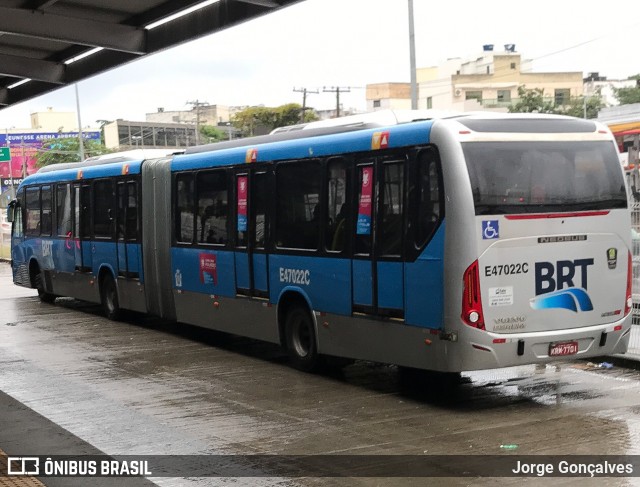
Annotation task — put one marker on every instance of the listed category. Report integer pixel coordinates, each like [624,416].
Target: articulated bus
[449,244]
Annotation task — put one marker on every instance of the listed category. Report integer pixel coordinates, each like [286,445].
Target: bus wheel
[44,296]
[109,297]
[301,340]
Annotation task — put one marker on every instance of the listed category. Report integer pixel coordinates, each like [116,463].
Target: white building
[489,81]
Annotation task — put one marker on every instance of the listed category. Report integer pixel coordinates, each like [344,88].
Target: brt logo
[562,285]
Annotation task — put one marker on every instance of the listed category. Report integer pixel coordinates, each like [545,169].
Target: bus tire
[44,296]
[300,335]
[109,298]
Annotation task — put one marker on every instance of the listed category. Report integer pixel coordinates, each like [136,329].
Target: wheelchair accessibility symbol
[490,229]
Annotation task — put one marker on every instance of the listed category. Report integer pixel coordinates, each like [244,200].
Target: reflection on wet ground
[143,386]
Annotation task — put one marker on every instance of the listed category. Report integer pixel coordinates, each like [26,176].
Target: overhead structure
[47,44]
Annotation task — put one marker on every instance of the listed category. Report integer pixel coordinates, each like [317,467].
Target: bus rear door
[128,248]
[82,227]
[378,271]
[251,259]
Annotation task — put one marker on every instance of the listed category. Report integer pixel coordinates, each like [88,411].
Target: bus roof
[303,146]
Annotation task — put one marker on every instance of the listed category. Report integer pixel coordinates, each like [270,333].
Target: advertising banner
[24,147]
[242,203]
[364,207]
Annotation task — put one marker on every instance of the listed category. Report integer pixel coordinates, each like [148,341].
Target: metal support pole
[412,59]
[80,137]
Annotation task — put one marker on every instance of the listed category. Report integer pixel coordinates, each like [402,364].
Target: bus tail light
[471,298]
[629,298]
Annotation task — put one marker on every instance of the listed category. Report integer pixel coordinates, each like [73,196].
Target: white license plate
[564,348]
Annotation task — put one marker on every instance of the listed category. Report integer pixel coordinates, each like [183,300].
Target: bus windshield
[538,177]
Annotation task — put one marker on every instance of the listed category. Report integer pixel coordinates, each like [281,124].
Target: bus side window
[184,214]
[63,210]
[260,195]
[213,198]
[430,197]
[127,207]
[33,211]
[337,206]
[45,223]
[392,211]
[104,212]
[298,205]
[17,229]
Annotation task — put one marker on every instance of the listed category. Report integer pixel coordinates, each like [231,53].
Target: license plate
[564,348]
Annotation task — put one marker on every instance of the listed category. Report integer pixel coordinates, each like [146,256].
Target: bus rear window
[534,177]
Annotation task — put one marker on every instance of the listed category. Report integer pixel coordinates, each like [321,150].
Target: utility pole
[304,92]
[337,90]
[80,138]
[412,59]
[13,189]
[197,104]
[24,159]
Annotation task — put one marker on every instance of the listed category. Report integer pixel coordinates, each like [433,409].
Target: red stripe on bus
[538,216]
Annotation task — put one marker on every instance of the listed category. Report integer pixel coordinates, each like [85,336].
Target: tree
[210,133]
[627,96]
[578,106]
[257,120]
[67,149]
[532,101]
[252,120]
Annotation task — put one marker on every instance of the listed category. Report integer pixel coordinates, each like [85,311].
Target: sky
[348,43]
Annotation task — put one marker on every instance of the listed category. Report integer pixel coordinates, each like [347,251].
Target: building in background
[52,121]
[393,96]
[490,81]
[124,135]
[594,84]
[202,113]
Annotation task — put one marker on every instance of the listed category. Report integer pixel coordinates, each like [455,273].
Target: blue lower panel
[203,271]
[325,282]
[362,283]
[260,277]
[129,258]
[242,270]
[424,285]
[101,254]
[390,285]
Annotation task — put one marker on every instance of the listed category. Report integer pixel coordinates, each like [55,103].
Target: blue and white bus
[448,244]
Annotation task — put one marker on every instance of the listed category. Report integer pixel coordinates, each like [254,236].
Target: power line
[304,92]
[197,104]
[337,90]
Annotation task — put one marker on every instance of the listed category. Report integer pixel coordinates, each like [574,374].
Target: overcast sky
[349,43]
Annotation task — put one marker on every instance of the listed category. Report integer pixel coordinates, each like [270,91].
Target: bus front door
[81,236]
[127,233]
[378,270]
[251,259]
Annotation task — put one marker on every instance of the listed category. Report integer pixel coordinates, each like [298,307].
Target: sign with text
[23,148]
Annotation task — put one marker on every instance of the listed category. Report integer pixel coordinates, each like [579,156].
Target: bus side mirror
[11,211]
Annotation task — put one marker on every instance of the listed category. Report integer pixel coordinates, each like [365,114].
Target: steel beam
[73,30]
[24,67]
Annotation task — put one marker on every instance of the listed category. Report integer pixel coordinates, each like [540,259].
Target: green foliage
[627,96]
[210,133]
[67,149]
[576,107]
[530,101]
[533,101]
[254,120]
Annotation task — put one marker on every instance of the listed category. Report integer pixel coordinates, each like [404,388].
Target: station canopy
[48,44]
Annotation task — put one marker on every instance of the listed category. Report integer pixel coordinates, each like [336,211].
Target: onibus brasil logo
[556,285]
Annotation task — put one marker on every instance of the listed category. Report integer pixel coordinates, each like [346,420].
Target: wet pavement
[74,383]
